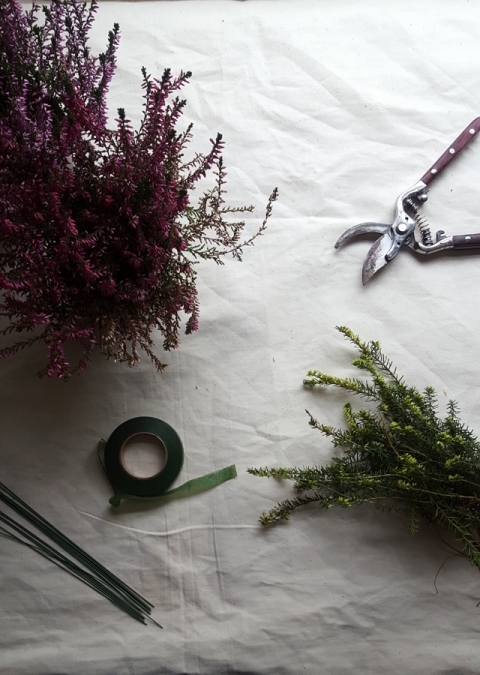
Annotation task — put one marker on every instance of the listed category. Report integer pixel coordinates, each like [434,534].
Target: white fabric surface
[342,105]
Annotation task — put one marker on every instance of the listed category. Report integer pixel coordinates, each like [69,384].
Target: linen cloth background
[342,104]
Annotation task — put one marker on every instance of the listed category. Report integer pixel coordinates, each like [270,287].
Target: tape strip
[127,486]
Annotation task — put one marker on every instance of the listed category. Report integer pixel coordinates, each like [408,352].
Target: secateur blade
[362,228]
[377,257]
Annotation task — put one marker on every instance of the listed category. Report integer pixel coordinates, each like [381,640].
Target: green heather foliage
[401,456]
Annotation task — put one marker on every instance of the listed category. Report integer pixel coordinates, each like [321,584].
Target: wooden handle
[455,149]
[466,241]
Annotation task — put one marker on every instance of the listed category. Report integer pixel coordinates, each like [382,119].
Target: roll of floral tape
[156,485]
[127,486]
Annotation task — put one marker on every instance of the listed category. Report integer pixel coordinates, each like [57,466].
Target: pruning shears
[409,227]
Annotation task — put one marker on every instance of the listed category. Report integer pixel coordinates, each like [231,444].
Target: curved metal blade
[376,259]
[363,228]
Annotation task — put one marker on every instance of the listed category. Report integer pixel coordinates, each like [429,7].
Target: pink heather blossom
[98,237]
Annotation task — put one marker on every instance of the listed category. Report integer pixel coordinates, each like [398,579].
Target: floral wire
[18,505]
[76,572]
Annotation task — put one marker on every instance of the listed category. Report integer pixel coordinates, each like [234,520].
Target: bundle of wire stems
[92,573]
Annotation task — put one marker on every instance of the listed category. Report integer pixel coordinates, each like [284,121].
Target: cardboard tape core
[143,455]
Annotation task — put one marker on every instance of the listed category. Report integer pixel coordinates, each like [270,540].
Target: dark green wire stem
[78,573]
[100,579]
[18,505]
[61,561]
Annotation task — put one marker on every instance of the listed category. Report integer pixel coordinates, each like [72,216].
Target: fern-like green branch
[401,454]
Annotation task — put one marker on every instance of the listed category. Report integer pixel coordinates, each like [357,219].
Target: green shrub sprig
[400,455]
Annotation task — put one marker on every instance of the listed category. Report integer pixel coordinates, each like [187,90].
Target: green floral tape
[156,487]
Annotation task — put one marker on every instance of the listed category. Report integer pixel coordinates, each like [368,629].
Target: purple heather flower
[98,236]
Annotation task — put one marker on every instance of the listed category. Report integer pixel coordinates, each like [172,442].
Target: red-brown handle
[455,149]
[466,241]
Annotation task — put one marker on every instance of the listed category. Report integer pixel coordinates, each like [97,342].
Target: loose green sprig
[400,455]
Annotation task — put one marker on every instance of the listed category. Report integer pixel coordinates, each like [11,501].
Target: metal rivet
[467,237]
[472,131]
[452,151]
[434,171]
[402,228]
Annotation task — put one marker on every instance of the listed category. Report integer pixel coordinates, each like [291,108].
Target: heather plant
[397,455]
[99,237]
